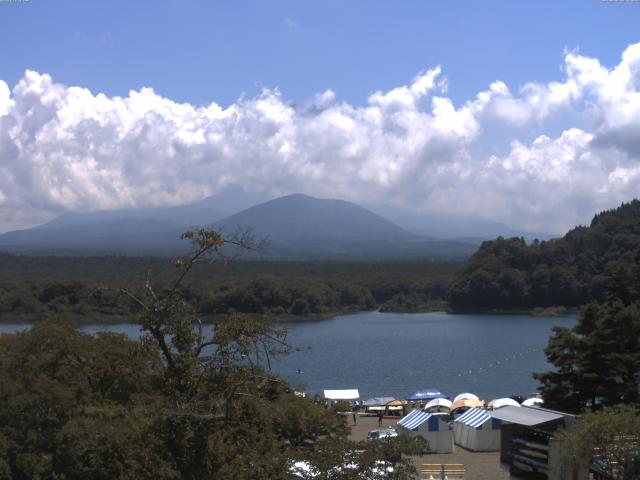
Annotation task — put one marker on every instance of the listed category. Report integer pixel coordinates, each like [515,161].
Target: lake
[388,354]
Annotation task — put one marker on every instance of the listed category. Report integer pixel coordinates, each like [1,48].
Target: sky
[526,113]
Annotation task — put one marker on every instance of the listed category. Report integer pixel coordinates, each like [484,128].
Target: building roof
[528,416]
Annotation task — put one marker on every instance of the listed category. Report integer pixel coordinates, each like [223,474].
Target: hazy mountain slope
[454,226]
[142,231]
[204,212]
[298,226]
[130,236]
[300,217]
[303,226]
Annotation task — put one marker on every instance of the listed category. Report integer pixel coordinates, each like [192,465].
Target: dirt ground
[477,465]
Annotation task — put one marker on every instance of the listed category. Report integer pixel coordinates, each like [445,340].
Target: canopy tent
[431,427]
[466,396]
[377,401]
[503,402]
[477,431]
[396,407]
[532,402]
[467,403]
[437,404]
[425,394]
[376,405]
[337,395]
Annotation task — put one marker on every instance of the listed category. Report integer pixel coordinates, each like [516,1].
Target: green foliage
[571,271]
[32,288]
[295,296]
[598,361]
[52,378]
[176,404]
[609,436]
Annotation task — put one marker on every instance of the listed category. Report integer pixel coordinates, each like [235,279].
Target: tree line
[32,288]
[570,271]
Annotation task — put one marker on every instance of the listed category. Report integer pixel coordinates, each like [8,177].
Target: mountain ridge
[299,226]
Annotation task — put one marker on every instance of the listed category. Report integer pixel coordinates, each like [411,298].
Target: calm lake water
[387,354]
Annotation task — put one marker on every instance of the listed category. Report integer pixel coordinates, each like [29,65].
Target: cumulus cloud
[67,149]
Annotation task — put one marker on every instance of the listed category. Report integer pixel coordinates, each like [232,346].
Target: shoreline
[97,318]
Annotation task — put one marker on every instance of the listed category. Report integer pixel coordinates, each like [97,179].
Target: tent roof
[465,396]
[528,416]
[438,402]
[377,401]
[503,402]
[473,417]
[414,419]
[351,394]
[467,403]
[530,402]
[426,394]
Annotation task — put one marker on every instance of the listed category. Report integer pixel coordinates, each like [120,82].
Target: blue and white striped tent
[432,427]
[477,430]
[414,419]
[474,417]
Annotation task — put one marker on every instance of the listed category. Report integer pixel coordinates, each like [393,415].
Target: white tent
[503,402]
[466,396]
[438,404]
[431,427]
[477,431]
[532,402]
[338,395]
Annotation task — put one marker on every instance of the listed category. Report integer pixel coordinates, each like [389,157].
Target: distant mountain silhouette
[460,227]
[141,231]
[123,236]
[300,226]
[204,212]
[297,226]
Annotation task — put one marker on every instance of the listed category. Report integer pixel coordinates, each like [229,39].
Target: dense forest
[569,271]
[31,288]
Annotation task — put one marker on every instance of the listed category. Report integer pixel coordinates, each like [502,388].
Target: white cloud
[5,98]
[65,148]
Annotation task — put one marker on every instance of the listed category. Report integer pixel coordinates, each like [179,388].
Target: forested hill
[583,266]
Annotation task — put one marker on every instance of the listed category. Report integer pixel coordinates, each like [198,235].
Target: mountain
[297,227]
[204,212]
[141,231]
[123,236]
[587,264]
[461,227]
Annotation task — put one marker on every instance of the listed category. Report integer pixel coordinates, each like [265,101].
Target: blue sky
[522,112]
[207,51]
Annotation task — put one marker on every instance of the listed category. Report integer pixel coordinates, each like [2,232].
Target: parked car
[379,433]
